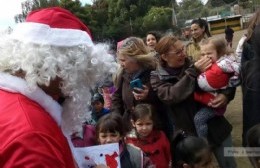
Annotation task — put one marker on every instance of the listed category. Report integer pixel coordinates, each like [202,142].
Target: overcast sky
[9,8]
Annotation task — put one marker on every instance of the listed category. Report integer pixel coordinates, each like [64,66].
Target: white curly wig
[78,66]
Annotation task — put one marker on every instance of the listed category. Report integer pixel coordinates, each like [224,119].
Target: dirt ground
[234,113]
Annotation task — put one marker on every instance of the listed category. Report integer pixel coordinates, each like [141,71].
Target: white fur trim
[18,85]
[38,33]
[203,83]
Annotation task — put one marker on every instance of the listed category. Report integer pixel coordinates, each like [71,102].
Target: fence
[236,15]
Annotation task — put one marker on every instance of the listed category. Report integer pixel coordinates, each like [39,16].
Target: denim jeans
[224,161]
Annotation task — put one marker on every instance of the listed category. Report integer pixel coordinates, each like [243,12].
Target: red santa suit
[156,146]
[24,114]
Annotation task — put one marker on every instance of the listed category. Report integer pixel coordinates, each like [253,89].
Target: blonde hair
[220,44]
[135,48]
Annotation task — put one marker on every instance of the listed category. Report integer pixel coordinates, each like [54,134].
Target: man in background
[229,35]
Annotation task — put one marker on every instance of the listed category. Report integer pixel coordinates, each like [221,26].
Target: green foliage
[158,18]
[205,12]
[114,20]
[229,1]
[189,9]
[218,3]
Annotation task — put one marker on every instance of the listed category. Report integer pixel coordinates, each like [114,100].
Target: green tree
[118,19]
[158,18]
[189,9]
[97,19]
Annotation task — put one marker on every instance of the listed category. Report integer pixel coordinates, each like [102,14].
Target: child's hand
[219,101]
[141,94]
[203,64]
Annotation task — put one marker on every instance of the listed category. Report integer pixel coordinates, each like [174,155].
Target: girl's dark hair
[253,136]
[253,140]
[143,110]
[156,34]
[112,122]
[202,24]
[97,97]
[186,149]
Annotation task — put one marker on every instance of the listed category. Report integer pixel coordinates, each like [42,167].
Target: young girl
[152,142]
[190,151]
[109,129]
[223,73]
[253,141]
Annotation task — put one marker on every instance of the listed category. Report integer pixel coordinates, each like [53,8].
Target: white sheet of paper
[89,157]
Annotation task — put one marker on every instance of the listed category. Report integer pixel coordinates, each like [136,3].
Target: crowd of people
[162,100]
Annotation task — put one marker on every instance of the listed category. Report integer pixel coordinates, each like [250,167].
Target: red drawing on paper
[111,160]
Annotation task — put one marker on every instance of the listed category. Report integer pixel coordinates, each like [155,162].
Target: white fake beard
[75,113]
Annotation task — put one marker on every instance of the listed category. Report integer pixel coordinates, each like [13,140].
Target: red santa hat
[53,26]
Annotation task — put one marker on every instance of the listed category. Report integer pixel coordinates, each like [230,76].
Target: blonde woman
[136,63]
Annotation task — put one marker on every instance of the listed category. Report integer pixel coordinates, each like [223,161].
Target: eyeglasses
[177,52]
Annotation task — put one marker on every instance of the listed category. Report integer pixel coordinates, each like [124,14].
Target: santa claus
[48,58]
